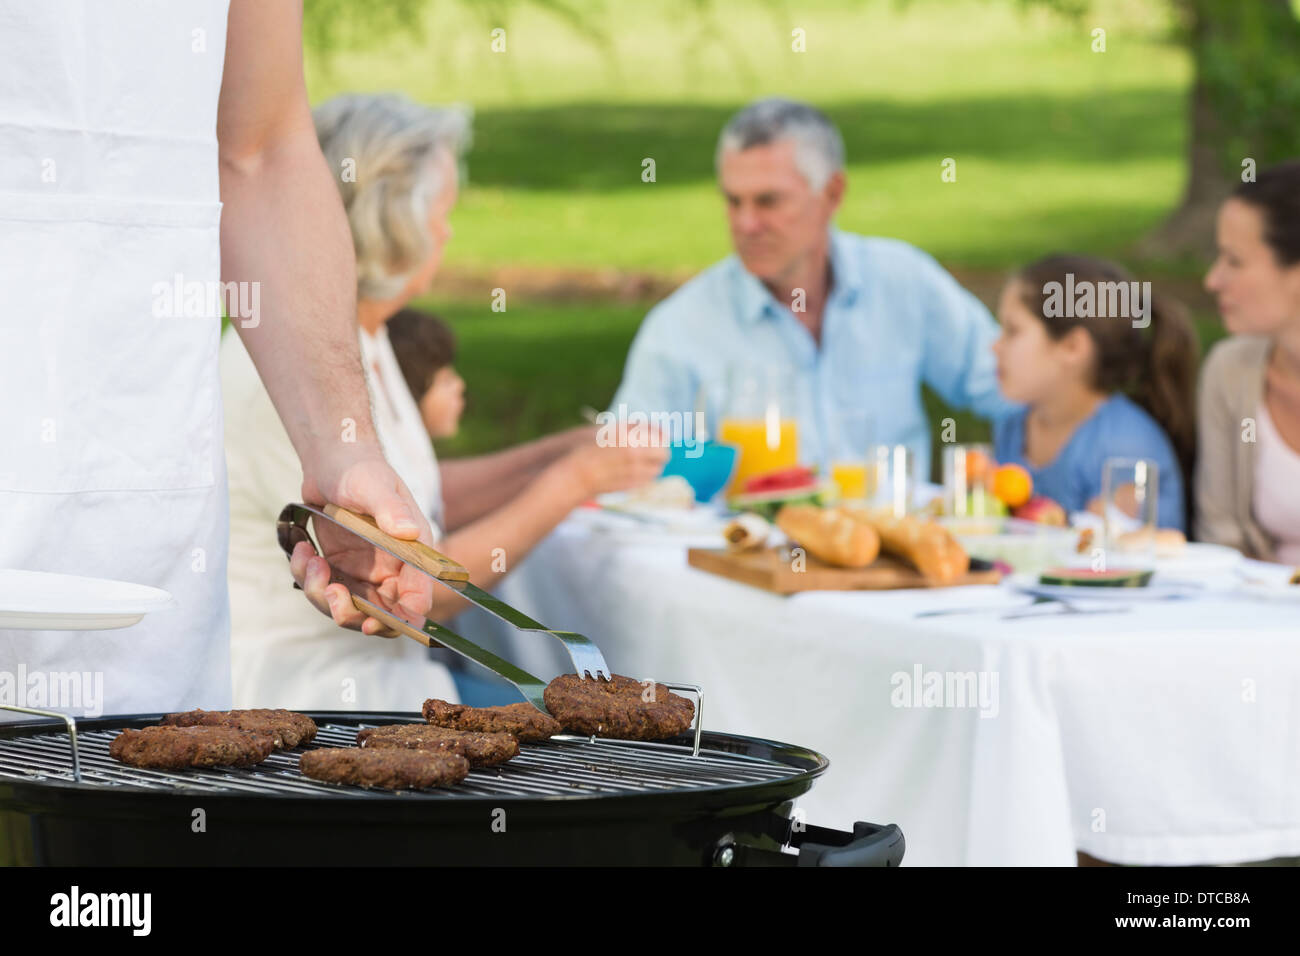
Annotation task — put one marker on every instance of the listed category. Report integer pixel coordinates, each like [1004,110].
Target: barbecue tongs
[587,659]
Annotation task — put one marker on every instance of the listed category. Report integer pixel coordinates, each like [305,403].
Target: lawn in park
[1056,147]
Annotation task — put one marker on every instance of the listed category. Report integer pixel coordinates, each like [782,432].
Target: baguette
[830,535]
[926,545]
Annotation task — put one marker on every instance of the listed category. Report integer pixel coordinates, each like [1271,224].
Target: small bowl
[707,467]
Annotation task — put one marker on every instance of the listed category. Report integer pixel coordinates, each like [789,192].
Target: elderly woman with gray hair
[396,164]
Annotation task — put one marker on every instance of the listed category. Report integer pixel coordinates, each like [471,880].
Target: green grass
[530,369]
[1056,146]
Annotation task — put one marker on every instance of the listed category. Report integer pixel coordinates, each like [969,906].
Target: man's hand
[365,484]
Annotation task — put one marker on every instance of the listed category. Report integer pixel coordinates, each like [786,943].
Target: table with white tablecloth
[1166,733]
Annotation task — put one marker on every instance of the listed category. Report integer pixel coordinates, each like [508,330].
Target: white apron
[110,416]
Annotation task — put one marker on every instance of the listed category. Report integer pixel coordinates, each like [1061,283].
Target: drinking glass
[1129,492]
[846,454]
[890,483]
[759,420]
[968,481]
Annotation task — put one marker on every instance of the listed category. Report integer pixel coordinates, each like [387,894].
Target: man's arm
[283,227]
[959,337]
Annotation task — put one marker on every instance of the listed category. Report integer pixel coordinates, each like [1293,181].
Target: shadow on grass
[600,146]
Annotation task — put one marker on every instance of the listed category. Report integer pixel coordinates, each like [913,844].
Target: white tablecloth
[1168,734]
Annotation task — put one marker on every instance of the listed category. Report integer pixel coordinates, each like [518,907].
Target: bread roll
[830,535]
[1167,542]
[926,545]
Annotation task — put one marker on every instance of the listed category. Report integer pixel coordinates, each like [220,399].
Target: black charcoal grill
[572,800]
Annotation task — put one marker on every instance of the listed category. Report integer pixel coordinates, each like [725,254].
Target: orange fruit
[1013,485]
[978,466]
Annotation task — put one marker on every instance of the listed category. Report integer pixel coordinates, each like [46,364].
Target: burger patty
[481,750]
[392,769]
[522,721]
[618,708]
[287,728]
[174,748]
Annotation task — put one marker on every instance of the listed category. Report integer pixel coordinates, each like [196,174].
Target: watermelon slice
[768,493]
[1087,578]
[768,503]
[782,479]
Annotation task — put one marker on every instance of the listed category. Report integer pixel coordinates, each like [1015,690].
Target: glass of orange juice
[850,478]
[758,419]
[848,446]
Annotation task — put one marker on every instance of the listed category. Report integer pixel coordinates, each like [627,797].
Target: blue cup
[706,466]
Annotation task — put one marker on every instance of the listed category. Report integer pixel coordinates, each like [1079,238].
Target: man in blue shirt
[858,322]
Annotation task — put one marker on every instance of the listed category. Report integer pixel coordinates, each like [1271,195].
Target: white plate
[41,601]
[1263,579]
[1155,591]
[698,527]
[1200,558]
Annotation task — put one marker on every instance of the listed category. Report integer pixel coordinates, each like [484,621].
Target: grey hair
[818,146]
[389,144]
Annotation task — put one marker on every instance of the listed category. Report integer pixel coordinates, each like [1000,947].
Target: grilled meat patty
[175,748]
[394,769]
[522,721]
[287,728]
[481,750]
[620,707]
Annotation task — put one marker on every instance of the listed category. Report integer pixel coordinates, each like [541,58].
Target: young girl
[1094,388]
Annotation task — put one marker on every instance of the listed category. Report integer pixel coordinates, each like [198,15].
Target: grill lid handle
[870,844]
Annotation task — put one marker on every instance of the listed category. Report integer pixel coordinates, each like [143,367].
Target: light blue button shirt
[895,318]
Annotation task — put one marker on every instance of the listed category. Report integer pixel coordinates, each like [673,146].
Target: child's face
[1031,365]
[442,403]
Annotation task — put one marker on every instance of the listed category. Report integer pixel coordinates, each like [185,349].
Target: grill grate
[565,766]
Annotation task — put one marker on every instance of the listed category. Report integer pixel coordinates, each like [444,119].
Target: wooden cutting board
[772,569]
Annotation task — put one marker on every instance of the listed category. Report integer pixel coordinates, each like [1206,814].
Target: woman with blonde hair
[396,165]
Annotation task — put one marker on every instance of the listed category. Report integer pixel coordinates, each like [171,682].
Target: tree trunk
[1189,229]
[1260,33]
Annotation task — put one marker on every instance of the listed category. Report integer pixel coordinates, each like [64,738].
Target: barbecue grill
[572,800]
